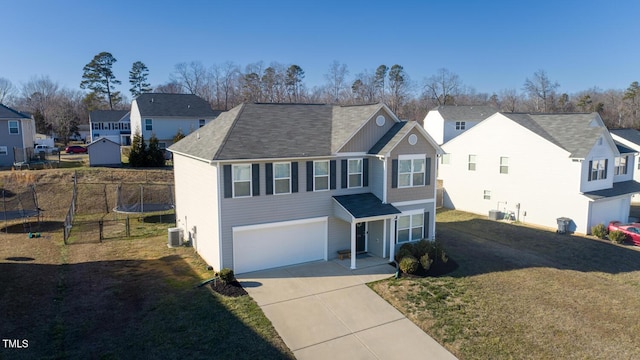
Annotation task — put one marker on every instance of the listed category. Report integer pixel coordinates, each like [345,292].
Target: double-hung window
[621,165]
[282,178]
[148,124]
[320,175]
[14,128]
[410,227]
[461,125]
[598,169]
[241,180]
[504,165]
[411,170]
[472,163]
[355,173]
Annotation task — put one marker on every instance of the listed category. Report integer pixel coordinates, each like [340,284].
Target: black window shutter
[427,171]
[294,177]
[425,225]
[228,184]
[590,169]
[255,179]
[394,173]
[268,177]
[365,172]
[343,169]
[626,163]
[606,165]
[309,175]
[332,174]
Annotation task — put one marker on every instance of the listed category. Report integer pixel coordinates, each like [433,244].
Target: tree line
[61,110]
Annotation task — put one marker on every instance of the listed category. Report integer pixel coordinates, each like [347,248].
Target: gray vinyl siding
[369,135]
[264,209]
[376,175]
[10,141]
[413,193]
[339,236]
[375,237]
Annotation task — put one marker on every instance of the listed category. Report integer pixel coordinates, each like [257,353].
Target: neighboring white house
[163,115]
[114,125]
[448,121]
[630,138]
[540,168]
[104,152]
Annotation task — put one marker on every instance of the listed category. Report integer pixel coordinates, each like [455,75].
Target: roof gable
[7,113]
[465,113]
[174,105]
[350,122]
[107,115]
[399,132]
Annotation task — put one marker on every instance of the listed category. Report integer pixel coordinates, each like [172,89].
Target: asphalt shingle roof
[619,188]
[576,133]
[107,115]
[631,135]
[7,113]
[262,131]
[365,205]
[622,149]
[466,113]
[397,132]
[188,105]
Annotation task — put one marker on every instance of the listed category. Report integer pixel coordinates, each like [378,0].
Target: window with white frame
[504,165]
[487,195]
[445,159]
[241,180]
[148,124]
[461,125]
[282,178]
[201,123]
[410,227]
[14,127]
[3,150]
[411,170]
[355,173]
[321,175]
[472,163]
[621,165]
[598,169]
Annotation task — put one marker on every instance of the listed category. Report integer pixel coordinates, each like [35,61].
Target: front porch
[364,260]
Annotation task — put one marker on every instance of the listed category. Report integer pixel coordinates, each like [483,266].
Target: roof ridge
[15,111]
[226,136]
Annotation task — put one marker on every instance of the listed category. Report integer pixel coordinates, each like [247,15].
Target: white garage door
[602,212]
[265,246]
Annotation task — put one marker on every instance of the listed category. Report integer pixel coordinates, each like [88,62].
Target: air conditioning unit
[175,237]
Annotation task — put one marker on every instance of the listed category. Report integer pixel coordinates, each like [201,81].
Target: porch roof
[618,189]
[365,205]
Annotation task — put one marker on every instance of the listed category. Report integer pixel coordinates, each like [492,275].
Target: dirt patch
[232,289]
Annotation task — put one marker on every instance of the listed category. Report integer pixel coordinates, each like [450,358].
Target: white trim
[361,174]
[385,238]
[375,218]
[220,196]
[351,154]
[424,134]
[413,202]
[410,213]
[384,180]
[278,224]
[233,181]
[274,178]
[412,157]
[328,175]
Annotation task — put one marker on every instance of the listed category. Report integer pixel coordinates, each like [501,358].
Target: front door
[360,237]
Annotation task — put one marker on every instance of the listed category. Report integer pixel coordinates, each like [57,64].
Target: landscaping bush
[409,264]
[227,275]
[423,247]
[410,248]
[425,262]
[403,252]
[599,231]
[617,236]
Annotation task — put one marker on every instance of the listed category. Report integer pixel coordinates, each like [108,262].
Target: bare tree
[541,91]
[363,89]
[170,87]
[7,90]
[398,87]
[193,77]
[336,79]
[509,100]
[443,87]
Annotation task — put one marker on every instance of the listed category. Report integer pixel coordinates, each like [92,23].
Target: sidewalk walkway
[323,310]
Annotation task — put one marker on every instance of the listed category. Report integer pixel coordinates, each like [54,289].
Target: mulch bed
[232,289]
[437,269]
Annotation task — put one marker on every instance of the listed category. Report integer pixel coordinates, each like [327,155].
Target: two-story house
[113,125]
[164,115]
[17,135]
[538,168]
[445,122]
[268,185]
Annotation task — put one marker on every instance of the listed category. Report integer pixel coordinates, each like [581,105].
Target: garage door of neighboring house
[265,246]
[602,212]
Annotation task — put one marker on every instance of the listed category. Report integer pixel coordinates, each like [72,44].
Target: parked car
[45,149]
[631,230]
[75,149]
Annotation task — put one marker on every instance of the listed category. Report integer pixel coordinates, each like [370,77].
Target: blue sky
[491,45]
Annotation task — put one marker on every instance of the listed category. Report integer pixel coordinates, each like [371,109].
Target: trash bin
[563,225]
[495,215]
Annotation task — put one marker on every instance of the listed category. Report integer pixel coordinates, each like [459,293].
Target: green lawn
[520,292]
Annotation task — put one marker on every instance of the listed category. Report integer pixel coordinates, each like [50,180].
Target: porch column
[384,238]
[353,244]
[392,242]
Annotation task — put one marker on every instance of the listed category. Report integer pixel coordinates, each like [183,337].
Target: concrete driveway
[324,310]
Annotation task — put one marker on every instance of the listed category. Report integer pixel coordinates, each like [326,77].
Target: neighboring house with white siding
[268,185]
[630,138]
[163,115]
[17,136]
[114,125]
[540,167]
[445,122]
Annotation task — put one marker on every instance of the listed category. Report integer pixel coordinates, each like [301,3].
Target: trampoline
[19,206]
[144,198]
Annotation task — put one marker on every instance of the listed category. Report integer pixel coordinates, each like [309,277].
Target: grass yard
[525,293]
[121,299]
